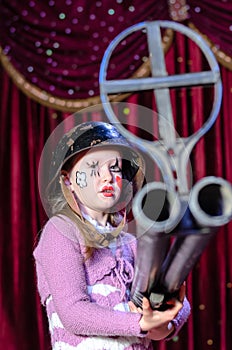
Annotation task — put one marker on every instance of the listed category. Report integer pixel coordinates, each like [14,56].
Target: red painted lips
[107,191]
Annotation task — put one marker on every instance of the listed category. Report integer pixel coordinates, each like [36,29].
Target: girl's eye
[115,168]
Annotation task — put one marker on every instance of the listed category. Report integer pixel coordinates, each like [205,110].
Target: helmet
[89,135]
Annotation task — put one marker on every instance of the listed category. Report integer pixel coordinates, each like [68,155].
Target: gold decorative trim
[224,59]
[72,105]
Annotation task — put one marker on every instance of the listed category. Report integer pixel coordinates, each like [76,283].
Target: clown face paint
[81,179]
[119,181]
[94,167]
[97,180]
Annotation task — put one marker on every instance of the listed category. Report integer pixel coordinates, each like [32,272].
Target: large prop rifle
[171,238]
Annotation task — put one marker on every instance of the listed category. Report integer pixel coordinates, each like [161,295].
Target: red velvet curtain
[58,46]
[25,127]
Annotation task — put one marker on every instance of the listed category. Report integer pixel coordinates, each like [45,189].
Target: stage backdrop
[51,53]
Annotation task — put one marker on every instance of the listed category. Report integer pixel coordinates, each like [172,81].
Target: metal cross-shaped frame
[160,82]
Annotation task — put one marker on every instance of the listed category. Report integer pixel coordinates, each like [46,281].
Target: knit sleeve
[62,264]
[181,318]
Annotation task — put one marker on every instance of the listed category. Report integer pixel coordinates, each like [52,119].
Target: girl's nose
[105,174]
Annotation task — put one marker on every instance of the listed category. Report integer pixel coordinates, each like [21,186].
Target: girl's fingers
[134,308]
[147,310]
[175,309]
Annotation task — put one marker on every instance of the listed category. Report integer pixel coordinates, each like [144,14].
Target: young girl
[85,258]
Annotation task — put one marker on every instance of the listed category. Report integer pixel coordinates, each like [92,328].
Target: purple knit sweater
[86,300]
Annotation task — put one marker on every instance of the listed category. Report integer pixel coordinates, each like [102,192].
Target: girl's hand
[158,323]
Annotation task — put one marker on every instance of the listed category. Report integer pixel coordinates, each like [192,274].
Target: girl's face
[96,179]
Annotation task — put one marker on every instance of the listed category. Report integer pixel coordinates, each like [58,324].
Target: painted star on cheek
[81,179]
[94,168]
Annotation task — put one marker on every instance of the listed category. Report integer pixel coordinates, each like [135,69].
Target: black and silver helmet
[89,135]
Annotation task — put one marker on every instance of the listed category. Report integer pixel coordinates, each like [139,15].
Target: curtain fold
[213,19]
